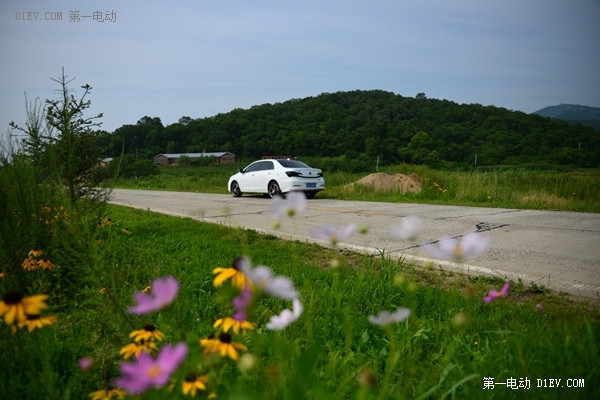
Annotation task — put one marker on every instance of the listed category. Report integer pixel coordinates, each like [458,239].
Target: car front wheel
[273,189]
[235,189]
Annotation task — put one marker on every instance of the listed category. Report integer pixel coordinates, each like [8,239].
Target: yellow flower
[107,394]
[147,288]
[34,321]
[224,346]
[1,274]
[29,264]
[231,323]
[35,252]
[126,231]
[102,290]
[14,306]
[107,221]
[149,333]
[46,264]
[238,279]
[135,349]
[193,383]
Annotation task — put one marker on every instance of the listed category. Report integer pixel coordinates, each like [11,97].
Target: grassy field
[449,347]
[502,187]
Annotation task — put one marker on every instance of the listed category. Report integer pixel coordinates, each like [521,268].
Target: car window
[253,167]
[292,164]
[266,165]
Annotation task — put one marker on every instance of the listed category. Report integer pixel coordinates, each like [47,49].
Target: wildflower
[494,294]
[263,279]
[164,291]
[238,279]
[103,290]
[247,362]
[107,221]
[45,264]
[236,324]
[408,228]
[34,321]
[147,372]
[147,289]
[85,363]
[137,348]
[241,302]
[210,344]
[107,394]
[35,253]
[540,307]
[2,274]
[294,203]
[149,333]
[333,235]
[14,306]
[126,231]
[29,264]
[193,383]
[286,318]
[471,244]
[387,318]
[223,345]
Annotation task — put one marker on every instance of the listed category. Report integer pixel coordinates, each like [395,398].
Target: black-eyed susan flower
[149,333]
[137,348]
[29,264]
[235,324]
[126,231]
[45,264]
[35,253]
[35,321]
[238,279]
[209,344]
[225,346]
[107,221]
[108,394]
[14,306]
[192,383]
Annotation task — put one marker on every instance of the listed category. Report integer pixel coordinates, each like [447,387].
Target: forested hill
[572,113]
[363,125]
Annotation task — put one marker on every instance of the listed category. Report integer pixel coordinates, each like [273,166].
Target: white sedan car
[275,177]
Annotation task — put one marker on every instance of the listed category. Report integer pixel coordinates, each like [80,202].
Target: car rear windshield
[292,164]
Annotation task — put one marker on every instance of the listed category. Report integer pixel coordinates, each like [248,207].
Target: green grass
[502,187]
[449,344]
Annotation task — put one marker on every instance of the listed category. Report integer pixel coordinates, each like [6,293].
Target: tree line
[359,125]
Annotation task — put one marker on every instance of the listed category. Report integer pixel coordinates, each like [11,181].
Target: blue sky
[200,58]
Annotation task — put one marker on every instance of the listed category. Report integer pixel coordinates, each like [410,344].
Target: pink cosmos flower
[278,286]
[85,363]
[447,247]
[164,291]
[293,204]
[540,307]
[332,234]
[286,318]
[387,318]
[494,294]
[146,372]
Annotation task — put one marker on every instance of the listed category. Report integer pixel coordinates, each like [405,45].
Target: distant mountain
[585,115]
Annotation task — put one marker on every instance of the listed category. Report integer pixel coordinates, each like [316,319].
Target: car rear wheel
[273,189]
[235,189]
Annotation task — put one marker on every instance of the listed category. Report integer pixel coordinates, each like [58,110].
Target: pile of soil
[386,182]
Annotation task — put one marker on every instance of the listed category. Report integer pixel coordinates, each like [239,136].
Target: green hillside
[584,115]
[364,125]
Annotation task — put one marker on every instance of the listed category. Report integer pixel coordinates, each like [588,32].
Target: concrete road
[559,250]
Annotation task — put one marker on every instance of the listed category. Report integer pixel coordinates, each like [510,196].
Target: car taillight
[292,173]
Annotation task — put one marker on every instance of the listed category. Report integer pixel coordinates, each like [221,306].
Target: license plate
[311,185]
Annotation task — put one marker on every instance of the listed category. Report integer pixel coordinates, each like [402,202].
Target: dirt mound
[400,182]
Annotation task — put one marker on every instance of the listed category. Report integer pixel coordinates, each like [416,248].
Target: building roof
[193,155]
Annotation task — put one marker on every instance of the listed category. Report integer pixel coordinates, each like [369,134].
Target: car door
[263,176]
[248,183]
